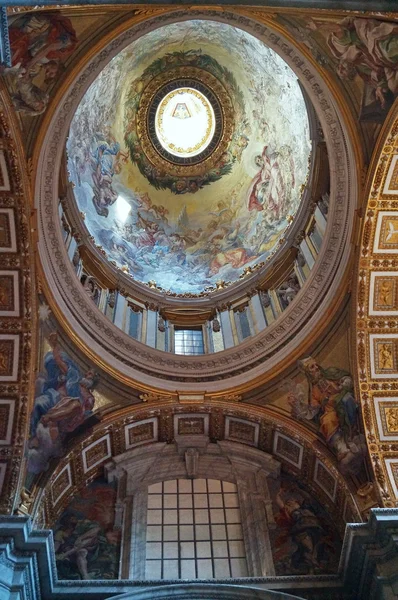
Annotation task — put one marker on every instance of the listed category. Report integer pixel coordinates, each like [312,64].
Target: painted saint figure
[304,540]
[39,44]
[63,400]
[305,530]
[331,405]
[106,161]
[367,48]
[86,539]
[271,187]
[76,540]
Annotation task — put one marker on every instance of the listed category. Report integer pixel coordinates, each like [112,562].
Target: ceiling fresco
[361,51]
[188,229]
[43,44]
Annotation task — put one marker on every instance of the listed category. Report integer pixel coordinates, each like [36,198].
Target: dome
[195,202]
[189,154]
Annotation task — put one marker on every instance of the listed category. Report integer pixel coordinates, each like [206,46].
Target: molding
[372,5]
[5,50]
[18,322]
[198,421]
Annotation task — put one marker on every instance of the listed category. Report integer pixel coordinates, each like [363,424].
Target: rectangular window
[134,324]
[244,324]
[194,530]
[188,341]
[316,238]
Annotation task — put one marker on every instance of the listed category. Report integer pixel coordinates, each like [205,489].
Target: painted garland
[169,178]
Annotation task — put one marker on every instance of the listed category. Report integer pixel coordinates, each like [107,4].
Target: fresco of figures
[328,402]
[64,401]
[87,544]
[187,235]
[362,51]
[40,44]
[304,540]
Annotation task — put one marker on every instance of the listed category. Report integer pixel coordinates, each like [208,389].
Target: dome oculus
[189,122]
[185,122]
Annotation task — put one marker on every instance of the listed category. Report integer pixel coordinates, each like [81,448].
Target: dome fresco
[182,223]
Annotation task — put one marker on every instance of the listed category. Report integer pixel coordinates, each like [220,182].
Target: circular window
[185,122]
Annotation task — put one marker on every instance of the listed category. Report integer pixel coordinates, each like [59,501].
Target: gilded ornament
[392,419]
[386,361]
[166,172]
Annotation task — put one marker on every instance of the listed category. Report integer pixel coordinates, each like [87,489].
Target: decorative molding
[7,410]
[9,294]
[5,50]
[288,449]
[386,410]
[61,484]
[376,311]
[240,430]
[96,453]
[383,355]
[17,302]
[325,479]
[383,293]
[182,425]
[9,357]
[3,469]
[142,432]
[8,238]
[392,470]
[191,424]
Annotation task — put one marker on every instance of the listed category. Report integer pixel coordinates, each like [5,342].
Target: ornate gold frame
[203,101]
[228,121]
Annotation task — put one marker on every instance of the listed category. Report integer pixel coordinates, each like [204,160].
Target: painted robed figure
[332,407]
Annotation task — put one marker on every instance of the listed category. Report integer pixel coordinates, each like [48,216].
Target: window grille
[188,341]
[194,530]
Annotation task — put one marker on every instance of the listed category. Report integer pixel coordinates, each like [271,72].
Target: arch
[376,311]
[136,429]
[18,305]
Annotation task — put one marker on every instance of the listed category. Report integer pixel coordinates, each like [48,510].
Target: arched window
[194,509]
